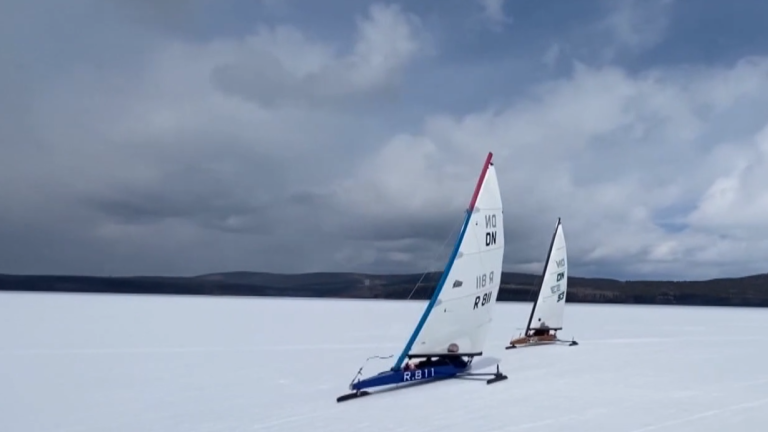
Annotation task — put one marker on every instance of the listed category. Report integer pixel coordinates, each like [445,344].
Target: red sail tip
[488,162]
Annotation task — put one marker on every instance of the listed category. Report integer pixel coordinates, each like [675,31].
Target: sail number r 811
[482,300]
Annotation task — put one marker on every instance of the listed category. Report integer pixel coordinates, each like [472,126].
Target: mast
[543,274]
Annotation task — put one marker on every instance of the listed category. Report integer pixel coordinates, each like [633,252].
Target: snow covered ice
[161,363]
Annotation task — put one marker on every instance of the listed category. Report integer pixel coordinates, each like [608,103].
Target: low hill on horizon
[740,291]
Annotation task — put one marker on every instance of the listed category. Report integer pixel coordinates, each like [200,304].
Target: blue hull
[411,376]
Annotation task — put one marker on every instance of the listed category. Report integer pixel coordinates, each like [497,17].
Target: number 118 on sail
[484,279]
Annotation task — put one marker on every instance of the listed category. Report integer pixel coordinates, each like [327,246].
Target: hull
[533,340]
[538,340]
[421,375]
[407,376]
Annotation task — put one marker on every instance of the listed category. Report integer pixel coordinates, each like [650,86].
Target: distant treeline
[744,291]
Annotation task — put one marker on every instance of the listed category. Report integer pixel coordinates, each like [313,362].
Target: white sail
[460,316]
[549,307]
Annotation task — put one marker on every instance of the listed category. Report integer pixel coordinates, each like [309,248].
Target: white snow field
[161,363]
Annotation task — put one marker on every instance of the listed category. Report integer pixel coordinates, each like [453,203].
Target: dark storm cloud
[271,216]
[168,16]
[256,211]
[405,227]
[188,137]
[209,211]
[266,82]
[186,192]
[214,199]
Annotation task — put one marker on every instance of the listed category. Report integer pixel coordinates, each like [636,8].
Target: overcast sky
[180,137]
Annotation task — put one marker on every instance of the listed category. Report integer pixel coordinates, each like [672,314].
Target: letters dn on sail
[490,226]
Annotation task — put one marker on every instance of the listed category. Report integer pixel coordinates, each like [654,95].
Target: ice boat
[547,313]
[453,327]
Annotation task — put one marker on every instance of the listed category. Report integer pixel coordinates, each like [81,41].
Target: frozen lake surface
[155,363]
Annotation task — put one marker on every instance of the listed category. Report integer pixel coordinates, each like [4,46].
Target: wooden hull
[533,340]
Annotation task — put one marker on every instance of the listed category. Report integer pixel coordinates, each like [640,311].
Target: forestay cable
[360,371]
